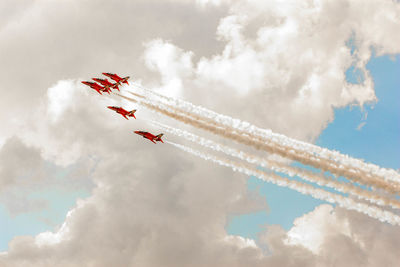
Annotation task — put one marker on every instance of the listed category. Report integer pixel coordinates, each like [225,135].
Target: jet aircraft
[116,78]
[97,87]
[123,112]
[106,83]
[150,136]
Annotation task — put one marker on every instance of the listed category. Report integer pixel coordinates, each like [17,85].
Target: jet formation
[104,85]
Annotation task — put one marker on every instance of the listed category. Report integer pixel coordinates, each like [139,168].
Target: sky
[77,188]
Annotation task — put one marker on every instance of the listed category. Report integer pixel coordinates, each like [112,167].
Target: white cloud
[342,238]
[171,62]
[204,3]
[289,60]
[311,229]
[60,97]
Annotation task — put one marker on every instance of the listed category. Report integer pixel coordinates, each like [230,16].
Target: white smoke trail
[308,189]
[372,211]
[246,138]
[339,160]
[279,167]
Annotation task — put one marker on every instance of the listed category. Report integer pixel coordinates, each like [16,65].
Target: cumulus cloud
[278,65]
[25,174]
[316,224]
[19,162]
[289,60]
[171,62]
[204,3]
[160,202]
[342,238]
[59,98]
[21,168]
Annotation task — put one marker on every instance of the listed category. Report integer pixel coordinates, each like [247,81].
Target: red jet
[123,112]
[116,78]
[150,136]
[97,87]
[106,83]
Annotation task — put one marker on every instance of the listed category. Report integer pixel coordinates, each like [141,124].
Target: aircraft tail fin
[158,137]
[132,113]
[126,80]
